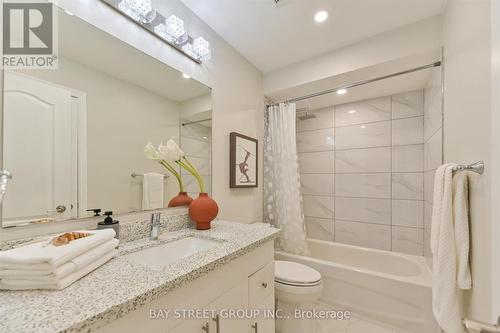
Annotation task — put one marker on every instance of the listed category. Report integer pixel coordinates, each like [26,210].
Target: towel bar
[477,167]
[478,326]
[135,175]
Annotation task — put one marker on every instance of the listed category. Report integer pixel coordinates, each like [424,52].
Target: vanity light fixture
[321,16]
[140,10]
[341,91]
[201,48]
[171,30]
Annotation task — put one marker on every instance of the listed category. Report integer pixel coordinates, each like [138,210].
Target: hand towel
[59,284]
[449,246]
[40,256]
[63,270]
[152,191]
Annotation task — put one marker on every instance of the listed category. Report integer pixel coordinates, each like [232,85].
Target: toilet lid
[295,274]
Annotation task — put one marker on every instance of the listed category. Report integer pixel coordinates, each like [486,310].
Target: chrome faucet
[155,226]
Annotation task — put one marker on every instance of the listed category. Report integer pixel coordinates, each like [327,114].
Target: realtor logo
[29,35]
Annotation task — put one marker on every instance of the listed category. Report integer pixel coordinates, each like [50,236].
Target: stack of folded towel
[43,265]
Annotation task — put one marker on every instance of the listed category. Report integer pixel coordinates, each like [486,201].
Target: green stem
[175,173]
[192,170]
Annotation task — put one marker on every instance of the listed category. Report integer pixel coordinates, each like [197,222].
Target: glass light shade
[173,30]
[202,48]
[139,10]
[188,49]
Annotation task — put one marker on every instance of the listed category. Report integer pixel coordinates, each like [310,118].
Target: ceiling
[273,36]
[122,61]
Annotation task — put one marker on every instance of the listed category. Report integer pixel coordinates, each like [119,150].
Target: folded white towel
[450,247]
[40,257]
[152,191]
[63,270]
[59,284]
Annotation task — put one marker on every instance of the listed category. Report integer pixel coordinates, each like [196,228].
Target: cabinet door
[229,303]
[265,322]
[195,326]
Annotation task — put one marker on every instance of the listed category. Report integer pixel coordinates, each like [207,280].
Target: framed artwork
[243,161]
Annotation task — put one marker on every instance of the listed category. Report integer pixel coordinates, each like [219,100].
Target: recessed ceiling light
[341,91]
[352,111]
[186,76]
[321,16]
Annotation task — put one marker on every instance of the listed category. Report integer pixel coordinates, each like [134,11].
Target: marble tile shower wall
[433,147]
[196,142]
[362,173]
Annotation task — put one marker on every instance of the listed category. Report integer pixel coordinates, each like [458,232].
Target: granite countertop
[120,286]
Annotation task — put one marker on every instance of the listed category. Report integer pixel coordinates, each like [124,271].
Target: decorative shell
[68,237]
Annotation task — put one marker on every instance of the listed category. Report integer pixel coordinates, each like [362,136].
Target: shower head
[305,114]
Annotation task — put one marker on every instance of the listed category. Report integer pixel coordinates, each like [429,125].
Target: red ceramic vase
[203,210]
[182,199]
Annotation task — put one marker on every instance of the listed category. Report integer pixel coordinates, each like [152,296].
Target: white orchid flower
[171,151]
[151,152]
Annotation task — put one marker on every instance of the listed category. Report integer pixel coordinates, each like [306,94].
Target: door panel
[37,149]
[234,299]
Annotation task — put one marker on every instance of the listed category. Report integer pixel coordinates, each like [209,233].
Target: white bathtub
[390,287]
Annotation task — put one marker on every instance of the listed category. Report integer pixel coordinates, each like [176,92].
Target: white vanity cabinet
[239,297]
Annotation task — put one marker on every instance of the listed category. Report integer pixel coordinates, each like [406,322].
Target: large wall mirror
[73,138]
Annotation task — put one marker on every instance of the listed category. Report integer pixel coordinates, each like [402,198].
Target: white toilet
[297,287]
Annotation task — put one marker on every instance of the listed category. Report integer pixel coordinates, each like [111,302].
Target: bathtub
[390,287]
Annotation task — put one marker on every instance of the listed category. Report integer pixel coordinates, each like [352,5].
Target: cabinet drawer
[261,285]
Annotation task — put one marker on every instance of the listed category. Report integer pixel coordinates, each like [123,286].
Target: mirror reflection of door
[40,141]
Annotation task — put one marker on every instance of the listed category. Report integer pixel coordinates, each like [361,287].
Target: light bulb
[202,48]
[139,10]
[173,30]
[321,16]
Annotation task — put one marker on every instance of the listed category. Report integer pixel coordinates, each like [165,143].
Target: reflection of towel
[39,256]
[450,247]
[152,191]
[16,284]
[74,264]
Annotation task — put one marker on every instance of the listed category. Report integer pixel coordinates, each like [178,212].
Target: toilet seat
[295,274]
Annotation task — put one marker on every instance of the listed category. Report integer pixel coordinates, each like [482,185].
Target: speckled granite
[120,286]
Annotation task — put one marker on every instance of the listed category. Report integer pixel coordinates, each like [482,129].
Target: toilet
[297,287]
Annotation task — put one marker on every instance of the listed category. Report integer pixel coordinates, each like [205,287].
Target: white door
[38,149]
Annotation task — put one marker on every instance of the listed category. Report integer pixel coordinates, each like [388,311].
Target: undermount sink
[160,256]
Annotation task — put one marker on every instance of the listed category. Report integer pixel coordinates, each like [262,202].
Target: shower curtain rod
[195,122]
[360,83]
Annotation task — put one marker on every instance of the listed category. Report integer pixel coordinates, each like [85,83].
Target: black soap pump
[109,223]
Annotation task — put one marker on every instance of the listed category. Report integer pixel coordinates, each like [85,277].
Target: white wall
[470,126]
[237,92]
[421,37]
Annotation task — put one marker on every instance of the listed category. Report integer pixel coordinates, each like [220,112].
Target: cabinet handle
[206,328]
[264,284]
[217,323]
[255,327]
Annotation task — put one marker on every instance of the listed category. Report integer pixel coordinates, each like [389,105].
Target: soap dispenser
[109,223]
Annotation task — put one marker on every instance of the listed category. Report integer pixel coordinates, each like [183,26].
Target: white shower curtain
[282,190]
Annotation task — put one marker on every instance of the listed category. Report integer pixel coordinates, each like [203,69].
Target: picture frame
[243,161]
